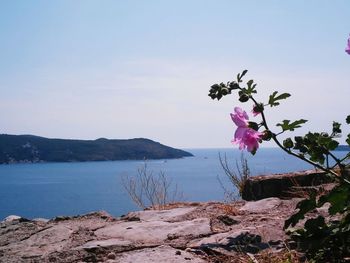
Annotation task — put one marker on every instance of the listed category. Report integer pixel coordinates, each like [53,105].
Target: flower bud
[288,143]
[324,134]
[253,125]
[214,87]
[303,149]
[243,97]
[234,85]
[225,91]
[258,108]
[213,96]
[298,139]
[267,135]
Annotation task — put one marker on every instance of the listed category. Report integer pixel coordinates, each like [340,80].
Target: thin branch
[274,138]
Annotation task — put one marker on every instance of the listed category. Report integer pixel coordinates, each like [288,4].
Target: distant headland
[343,148]
[34,149]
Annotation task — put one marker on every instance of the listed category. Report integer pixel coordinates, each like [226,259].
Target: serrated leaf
[315,225]
[286,125]
[338,197]
[316,156]
[273,99]
[240,76]
[348,119]
[304,207]
[332,145]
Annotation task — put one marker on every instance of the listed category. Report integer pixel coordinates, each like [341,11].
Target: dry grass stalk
[149,190]
[238,178]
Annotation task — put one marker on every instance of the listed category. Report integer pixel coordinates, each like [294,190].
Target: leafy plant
[321,240]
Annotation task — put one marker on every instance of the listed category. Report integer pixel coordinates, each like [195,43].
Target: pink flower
[347,50]
[244,136]
[240,117]
[247,138]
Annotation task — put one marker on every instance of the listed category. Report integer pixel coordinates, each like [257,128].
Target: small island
[34,149]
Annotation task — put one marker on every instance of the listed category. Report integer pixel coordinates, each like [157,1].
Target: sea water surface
[46,190]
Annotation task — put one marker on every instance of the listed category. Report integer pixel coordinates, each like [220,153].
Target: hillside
[29,148]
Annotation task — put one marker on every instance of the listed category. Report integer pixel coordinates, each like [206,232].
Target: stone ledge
[282,185]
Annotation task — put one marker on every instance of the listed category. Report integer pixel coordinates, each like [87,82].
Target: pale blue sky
[125,69]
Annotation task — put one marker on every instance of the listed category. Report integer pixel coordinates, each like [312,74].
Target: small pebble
[111,256]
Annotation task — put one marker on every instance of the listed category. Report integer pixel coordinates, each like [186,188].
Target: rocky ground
[184,232]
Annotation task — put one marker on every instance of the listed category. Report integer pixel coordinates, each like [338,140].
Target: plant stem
[334,158]
[341,160]
[274,137]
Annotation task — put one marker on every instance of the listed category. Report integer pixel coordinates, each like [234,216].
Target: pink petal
[347,50]
[239,117]
[240,133]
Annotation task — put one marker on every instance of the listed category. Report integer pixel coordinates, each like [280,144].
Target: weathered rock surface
[284,185]
[186,232]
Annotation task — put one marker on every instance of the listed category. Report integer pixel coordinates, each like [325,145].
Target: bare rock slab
[154,232]
[53,239]
[160,215]
[261,205]
[11,218]
[108,243]
[157,254]
[197,232]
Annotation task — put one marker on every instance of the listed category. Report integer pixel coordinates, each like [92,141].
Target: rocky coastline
[241,231]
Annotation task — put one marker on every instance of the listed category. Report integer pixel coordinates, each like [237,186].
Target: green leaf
[338,198]
[336,127]
[240,76]
[251,87]
[327,142]
[250,82]
[286,125]
[332,145]
[348,119]
[273,99]
[316,155]
[315,225]
[243,73]
[304,207]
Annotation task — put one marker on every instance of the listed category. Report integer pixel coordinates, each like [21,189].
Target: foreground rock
[186,232]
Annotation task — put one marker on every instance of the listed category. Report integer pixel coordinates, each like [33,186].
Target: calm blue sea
[51,189]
